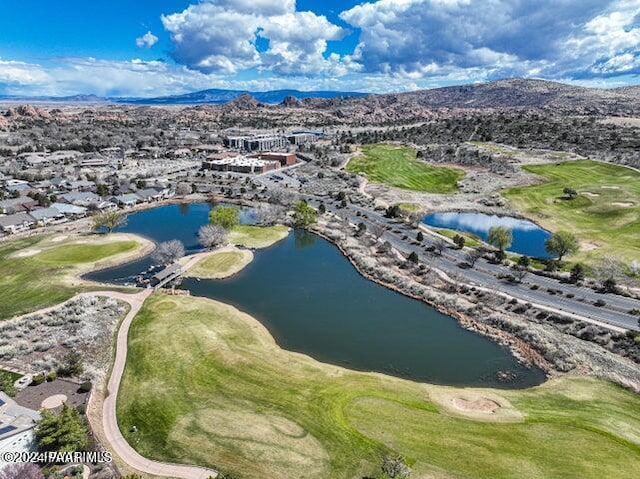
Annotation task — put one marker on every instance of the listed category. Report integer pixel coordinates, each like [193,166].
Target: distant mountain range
[508,93]
[213,97]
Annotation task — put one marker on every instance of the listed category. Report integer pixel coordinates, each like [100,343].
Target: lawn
[250,236]
[35,272]
[7,378]
[605,215]
[470,239]
[206,384]
[398,167]
[220,264]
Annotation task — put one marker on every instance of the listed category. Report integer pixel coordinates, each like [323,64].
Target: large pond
[528,237]
[313,301]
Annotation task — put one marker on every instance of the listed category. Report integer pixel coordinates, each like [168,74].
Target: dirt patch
[58,239]
[623,204]
[587,246]
[475,404]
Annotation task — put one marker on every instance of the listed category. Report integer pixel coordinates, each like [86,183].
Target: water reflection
[528,238]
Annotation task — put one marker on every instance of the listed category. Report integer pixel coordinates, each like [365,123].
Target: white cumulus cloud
[147,40]
[223,36]
[500,37]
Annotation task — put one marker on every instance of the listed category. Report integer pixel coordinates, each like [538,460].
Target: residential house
[149,194]
[69,210]
[17,425]
[45,216]
[128,199]
[23,189]
[81,185]
[17,222]
[80,198]
[16,205]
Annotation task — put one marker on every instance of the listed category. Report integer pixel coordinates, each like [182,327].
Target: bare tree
[168,252]
[280,196]
[211,236]
[608,271]
[183,189]
[415,218]
[439,246]
[376,230]
[472,257]
[268,215]
[519,272]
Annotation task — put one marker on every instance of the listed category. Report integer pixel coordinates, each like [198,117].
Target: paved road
[109,420]
[580,302]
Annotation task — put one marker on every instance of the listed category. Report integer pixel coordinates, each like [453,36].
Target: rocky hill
[502,94]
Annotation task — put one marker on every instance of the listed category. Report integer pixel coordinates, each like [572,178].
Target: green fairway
[206,384]
[251,236]
[36,272]
[398,167]
[220,264]
[605,215]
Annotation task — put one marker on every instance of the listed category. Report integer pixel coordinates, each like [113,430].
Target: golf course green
[398,167]
[206,384]
[604,215]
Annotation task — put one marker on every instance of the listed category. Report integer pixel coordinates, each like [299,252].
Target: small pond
[313,301]
[528,237]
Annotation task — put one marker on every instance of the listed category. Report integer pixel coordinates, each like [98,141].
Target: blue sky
[153,47]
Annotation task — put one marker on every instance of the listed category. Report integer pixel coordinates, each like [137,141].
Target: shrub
[85,387]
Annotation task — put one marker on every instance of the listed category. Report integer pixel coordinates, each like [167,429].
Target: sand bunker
[484,405]
[479,405]
[58,239]
[26,253]
[589,193]
[610,187]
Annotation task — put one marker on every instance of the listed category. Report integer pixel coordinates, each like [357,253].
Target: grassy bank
[220,264]
[605,214]
[38,272]
[398,167]
[206,384]
[250,236]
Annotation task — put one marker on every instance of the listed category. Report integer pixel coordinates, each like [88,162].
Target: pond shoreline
[522,351]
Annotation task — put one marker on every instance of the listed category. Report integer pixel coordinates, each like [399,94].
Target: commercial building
[303,137]
[241,164]
[285,159]
[256,142]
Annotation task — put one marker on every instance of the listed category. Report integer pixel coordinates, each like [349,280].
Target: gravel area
[38,342]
